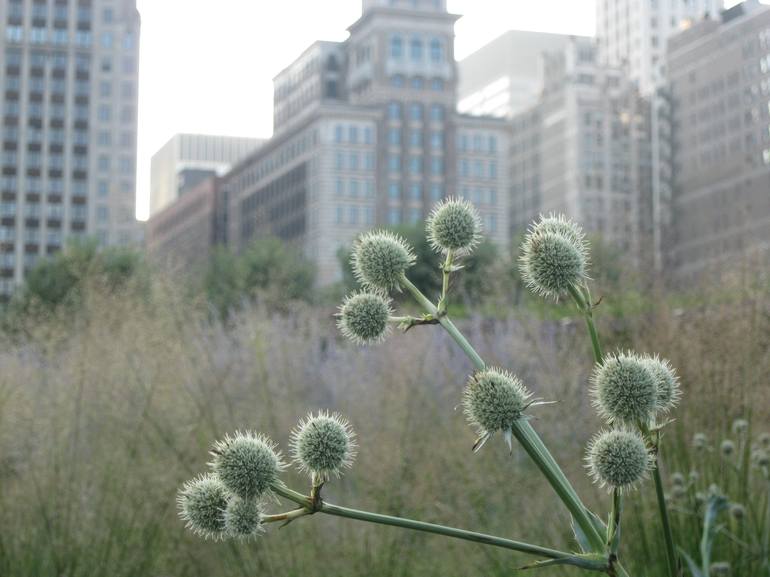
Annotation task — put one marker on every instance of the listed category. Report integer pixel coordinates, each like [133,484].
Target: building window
[415,49]
[368,215]
[394,111]
[394,136]
[397,81]
[437,140]
[338,133]
[369,161]
[394,190]
[415,215]
[353,134]
[415,191]
[415,138]
[353,212]
[368,137]
[353,161]
[415,111]
[354,188]
[437,84]
[437,112]
[339,216]
[340,187]
[418,83]
[436,51]
[340,163]
[415,164]
[436,192]
[394,217]
[394,163]
[492,169]
[396,47]
[437,166]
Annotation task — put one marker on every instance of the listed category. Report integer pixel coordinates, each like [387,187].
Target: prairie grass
[104,413]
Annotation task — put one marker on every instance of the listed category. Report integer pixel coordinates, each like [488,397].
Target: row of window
[395,136]
[354,161]
[413,216]
[415,164]
[354,187]
[416,111]
[417,46]
[417,82]
[353,214]
[415,190]
[55,186]
[350,134]
[477,142]
[477,168]
[56,36]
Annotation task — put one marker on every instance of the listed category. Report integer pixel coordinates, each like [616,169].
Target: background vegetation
[114,381]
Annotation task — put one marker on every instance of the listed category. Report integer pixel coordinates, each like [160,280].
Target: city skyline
[183,83]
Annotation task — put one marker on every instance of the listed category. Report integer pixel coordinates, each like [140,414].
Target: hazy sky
[207,65]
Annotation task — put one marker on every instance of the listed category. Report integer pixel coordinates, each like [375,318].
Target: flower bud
[363,317]
[247,464]
[761,458]
[618,458]
[666,381]
[764,440]
[454,224]
[624,390]
[737,511]
[699,441]
[323,444]
[677,479]
[554,256]
[727,448]
[202,503]
[694,476]
[380,259]
[243,518]
[493,401]
[740,426]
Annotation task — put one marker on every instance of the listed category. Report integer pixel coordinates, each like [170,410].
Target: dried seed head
[493,401]
[699,441]
[243,518]
[454,224]
[624,390]
[247,464]
[740,426]
[666,380]
[720,569]
[202,504]
[618,459]
[554,256]
[363,317]
[323,444]
[727,448]
[380,259]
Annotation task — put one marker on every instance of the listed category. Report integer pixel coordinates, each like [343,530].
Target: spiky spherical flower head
[243,518]
[247,463]
[694,476]
[494,400]
[677,479]
[323,444]
[666,380]
[764,440]
[380,259]
[554,257]
[624,390]
[740,426]
[727,447]
[363,317]
[737,511]
[454,224]
[618,459]
[761,457]
[699,441]
[202,503]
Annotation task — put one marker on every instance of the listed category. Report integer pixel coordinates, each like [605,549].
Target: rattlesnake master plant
[629,391]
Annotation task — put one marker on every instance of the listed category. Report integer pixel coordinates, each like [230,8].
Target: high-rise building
[719,77]
[583,150]
[632,34]
[505,76]
[366,135]
[69,77]
[185,153]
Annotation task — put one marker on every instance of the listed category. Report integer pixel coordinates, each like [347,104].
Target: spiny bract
[247,464]
[202,503]
[624,390]
[363,317]
[243,518]
[380,259]
[666,380]
[454,224]
[493,401]
[323,444]
[553,257]
[618,458]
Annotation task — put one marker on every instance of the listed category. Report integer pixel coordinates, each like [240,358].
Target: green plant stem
[446,271]
[286,493]
[338,511]
[585,307]
[613,541]
[525,434]
[663,509]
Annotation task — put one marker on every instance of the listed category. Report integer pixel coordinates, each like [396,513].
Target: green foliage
[268,271]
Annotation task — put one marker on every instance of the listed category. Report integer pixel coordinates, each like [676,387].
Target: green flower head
[624,390]
[247,464]
[740,427]
[243,518]
[554,257]
[380,259]
[618,459]
[323,444]
[202,503]
[454,224]
[666,380]
[493,401]
[727,448]
[363,317]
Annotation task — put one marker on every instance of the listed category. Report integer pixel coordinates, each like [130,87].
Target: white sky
[207,65]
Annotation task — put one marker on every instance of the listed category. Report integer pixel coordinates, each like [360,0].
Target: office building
[632,34]
[505,76]
[583,150]
[719,78]
[69,123]
[366,135]
[192,152]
